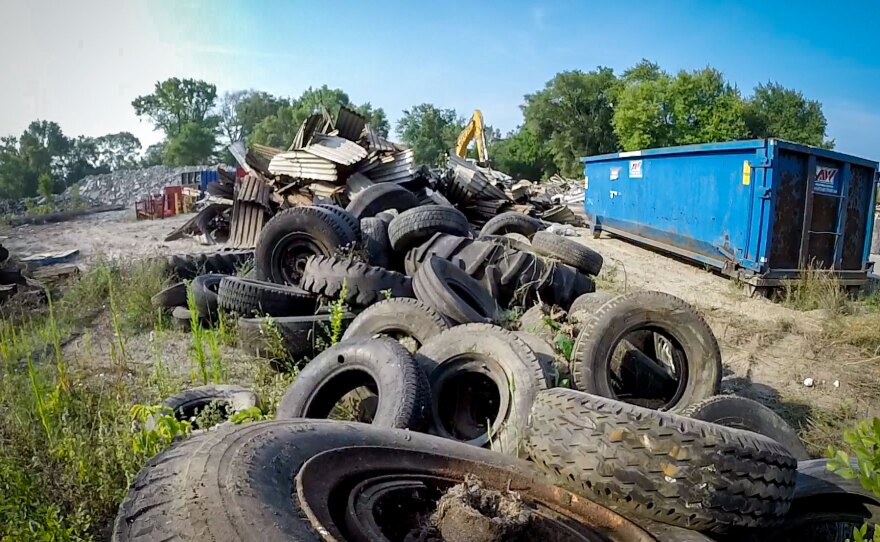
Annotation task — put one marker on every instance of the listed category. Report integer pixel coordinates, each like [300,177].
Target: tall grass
[815,289]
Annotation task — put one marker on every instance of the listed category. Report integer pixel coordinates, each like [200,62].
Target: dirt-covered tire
[450,291]
[415,226]
[469,363]
[586,305]
[170,297]
[374,240]
[299,337]
[204,289]
[189,266]
[344,216]
[364,284]
[401,317]
[660,466]
[749,415]
[291,236]
[381,197]
[567,251]
[698,366]
[247,297]
[512,222]
[382,365]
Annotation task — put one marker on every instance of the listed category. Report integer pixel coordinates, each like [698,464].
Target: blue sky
[92,59]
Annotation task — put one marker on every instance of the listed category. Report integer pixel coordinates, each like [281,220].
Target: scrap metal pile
[334,161]
[485,422]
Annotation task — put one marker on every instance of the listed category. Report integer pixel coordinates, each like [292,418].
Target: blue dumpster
[761,210]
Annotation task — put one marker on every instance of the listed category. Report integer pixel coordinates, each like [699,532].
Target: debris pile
[124,187]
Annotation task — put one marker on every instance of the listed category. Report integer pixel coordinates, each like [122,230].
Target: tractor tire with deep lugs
[364,284]
[660,466]
[291,236]
[568,252]
[415,226]
[247,297]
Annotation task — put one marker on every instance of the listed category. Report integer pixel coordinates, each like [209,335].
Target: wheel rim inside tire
[669,356]
[290,254]
[341,492]
[468,392]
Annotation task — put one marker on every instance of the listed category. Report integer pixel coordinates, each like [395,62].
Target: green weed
[337,312]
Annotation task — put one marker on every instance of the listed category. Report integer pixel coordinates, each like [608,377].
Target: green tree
[13,170]
[154,155]
[117,151]
[776,111]
[522,155]
[240,111]
[193,145]
[175,103]
[46,186]
[279,129]
[573,115]
[430,131]
[41,149]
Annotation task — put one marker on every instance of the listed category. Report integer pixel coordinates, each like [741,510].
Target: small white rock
[808,382]
[836,383]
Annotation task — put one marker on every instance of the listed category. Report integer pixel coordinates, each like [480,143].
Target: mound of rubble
[124,187]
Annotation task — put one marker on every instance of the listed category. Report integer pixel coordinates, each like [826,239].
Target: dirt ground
[768,350]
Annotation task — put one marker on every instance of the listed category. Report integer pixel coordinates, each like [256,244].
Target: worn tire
[595,345]
[449,290]
[506,242]
[415,226]
[247,297]
[170,297]
[189,266]
[440,245]
[293,235]
[660,466]
[301,337]
[382,365]
[561,284]
[344,216]
[365,284]
[374,240]
[512,222]
[554,365]
[398,317]
[749,415]
[568,252]
[190,402]
[381,197]
[586,305]
[499,359]
[204,289]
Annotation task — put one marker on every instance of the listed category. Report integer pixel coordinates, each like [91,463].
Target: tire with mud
[749,415]
[291,236]
[381,197]
[512,222]
[697,359]
[483,381]
[292,469]
[660,466]
[415,226]
[449,290]
[397,318]
[586,305]
[364,284]
[568,252]
[247,297]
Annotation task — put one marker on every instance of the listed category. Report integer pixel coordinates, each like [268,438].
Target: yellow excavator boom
[473,130]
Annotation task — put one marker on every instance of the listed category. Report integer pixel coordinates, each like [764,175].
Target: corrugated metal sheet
[246,224]
[316,123]
[253,189]
[350,124]
[336,149]
[300,164]
[376,142]
[400,168]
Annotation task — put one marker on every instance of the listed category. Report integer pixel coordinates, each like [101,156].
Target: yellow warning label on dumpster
[747,173]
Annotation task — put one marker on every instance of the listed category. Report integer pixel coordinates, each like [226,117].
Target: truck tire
[401,317]
[698,368]
[204,289]
[512,222]
[382,365]
[247,298]
[415,226]
[481,372]
[568,252]
[660,466]
[587,304]
[291,236]
[374,240]
[170,297]
[381,197]
[450,291]
[301,337]
[749,415]
[365,284]
[343,216]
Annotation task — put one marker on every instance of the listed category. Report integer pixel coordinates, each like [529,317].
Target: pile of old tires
[621,435]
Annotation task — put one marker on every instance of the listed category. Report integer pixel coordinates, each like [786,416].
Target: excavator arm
[473,130]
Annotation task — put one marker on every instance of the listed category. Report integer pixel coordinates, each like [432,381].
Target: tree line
[576,114]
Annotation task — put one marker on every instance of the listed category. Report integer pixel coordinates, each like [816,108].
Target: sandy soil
[108,235]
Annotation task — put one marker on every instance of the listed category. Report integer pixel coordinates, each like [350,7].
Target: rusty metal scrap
[254,189]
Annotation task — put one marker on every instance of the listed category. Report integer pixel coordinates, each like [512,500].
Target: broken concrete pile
[124,187]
